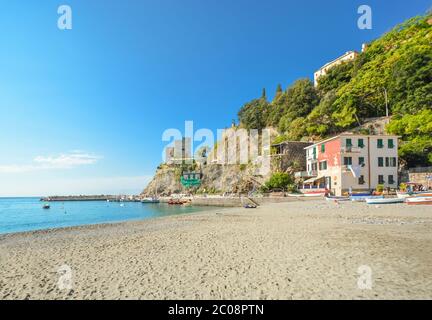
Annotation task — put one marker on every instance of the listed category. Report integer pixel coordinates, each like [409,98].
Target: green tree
[279,180]
[253,114]
[320,121]
[416,133]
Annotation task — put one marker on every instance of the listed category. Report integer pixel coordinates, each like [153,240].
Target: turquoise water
[26,214]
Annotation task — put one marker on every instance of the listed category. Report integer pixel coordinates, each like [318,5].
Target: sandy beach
[295,250]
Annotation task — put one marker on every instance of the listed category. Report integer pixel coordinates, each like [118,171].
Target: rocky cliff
[216,179]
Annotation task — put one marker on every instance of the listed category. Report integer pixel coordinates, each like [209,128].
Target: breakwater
[113,198]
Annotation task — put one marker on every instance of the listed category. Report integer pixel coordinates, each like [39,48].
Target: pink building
[353,162]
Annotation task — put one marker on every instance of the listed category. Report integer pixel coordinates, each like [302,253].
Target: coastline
[293,250]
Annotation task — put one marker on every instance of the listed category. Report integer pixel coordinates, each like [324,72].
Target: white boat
[419,200]
[315,193]
[384,200]
[334,198]
[362,198]
[150,200]
[404,195]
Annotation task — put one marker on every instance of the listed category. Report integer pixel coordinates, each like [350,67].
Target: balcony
[351,149]
[312,173]
[312,158]
[301,174]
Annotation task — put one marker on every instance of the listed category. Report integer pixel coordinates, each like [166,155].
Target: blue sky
[83,110]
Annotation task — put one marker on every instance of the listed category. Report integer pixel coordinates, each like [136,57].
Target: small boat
[150,200]
[317,193]
[419,200]
[295,195]
[176,202]
[384,200]
[249,206]
[335,198]
[46,206]
[404,195]
[362,198]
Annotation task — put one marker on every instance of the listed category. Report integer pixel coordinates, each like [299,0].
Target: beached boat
[150,200]
[419,200]
[362,198]
[295,194]
[317,193]
[384,200]
[404,195]
[335,198]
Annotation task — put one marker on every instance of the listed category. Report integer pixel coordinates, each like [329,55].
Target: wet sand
[295,250]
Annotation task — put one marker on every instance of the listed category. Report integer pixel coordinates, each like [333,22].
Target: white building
[353,161]
[181,152]
[348,56]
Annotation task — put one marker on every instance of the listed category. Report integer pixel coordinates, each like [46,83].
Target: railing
[312,173]
[351,149]
[301,174]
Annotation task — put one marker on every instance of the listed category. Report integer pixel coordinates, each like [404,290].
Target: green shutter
[380,143]
[360,143]
[380,162]
[323,148]
[390,143]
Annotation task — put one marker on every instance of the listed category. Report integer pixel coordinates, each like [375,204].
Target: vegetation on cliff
[394,72]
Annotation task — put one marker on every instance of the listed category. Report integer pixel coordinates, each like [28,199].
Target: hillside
[397,65]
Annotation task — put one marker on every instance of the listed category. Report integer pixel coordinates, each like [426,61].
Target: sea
[27,214]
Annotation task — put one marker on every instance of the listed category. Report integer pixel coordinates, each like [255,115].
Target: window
[314,166]
[361,161]
[348,143]
[361,180]
[390,143]
[387,161]
[347,161]
[380,143]
[323,165]
[381,179]
[380,162]
[360,143]
[393,162]
[314,152]
[391,179]
[323,148]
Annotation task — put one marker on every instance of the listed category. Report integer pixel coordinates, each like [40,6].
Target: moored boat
[419,200]
[384,200]
[176,202]
[150,200]
[46,206]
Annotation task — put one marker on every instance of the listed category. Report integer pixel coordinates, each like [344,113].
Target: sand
[295,250]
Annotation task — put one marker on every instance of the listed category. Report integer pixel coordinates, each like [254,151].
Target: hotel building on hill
[352,162]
